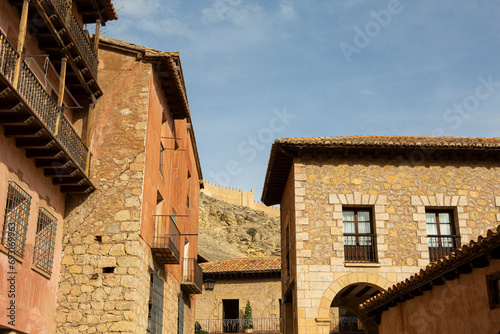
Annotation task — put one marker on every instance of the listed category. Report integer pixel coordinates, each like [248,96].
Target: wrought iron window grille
[16,217]
[45,240]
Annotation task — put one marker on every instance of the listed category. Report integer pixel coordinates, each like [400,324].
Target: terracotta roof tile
[394,141]
[243,265]
[463,256]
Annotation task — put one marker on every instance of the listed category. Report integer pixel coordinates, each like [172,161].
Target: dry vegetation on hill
[229,231]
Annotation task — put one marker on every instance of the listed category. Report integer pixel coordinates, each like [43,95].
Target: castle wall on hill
[238,197]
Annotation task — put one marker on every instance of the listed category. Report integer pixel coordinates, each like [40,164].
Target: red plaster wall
[35,294]
[174,185]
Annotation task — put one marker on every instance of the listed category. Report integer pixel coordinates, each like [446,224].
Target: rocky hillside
[228,231]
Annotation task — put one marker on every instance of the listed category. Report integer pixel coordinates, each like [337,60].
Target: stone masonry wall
[398,194]
[264,294]
[103,287]
[238,197]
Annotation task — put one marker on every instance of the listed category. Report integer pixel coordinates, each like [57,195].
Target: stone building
[237,281]
[464,285]
[130,247]
[48,85]
[360,213]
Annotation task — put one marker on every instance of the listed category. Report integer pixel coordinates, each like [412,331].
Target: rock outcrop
[229,231]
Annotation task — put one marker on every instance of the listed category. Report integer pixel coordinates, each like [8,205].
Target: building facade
[464,285]
[130,247]
[359,214]
[48,85]
[238,281]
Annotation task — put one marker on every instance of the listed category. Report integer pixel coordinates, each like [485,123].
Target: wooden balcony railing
[359,248]
[30,115]
[442,245]
[80,36]
[166,240]
[192,276]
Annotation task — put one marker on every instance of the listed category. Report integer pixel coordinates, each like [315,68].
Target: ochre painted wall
[459,306]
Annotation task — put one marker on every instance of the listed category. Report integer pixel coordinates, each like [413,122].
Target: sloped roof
[169,72]
[285,150]
[242,266]
[94,9]
[463,261]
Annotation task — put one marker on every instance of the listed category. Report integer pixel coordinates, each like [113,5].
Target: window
[16,219]
[359,239]
[45,240]
[493,284]
[440,233]
[155,314]
[287,250]
[162,150]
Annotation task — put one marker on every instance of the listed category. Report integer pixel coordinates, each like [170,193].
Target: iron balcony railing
[442,245]
[359,248]
[192,276]
[42,105]
[216,326]
[79,35]
[345,325]
[166,240]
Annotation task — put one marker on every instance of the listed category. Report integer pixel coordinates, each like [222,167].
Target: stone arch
[348,279]
[331,292]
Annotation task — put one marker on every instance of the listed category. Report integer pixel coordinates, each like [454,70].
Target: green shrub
[248,322]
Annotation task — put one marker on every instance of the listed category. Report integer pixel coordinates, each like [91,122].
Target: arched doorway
[346,293]
[345,316]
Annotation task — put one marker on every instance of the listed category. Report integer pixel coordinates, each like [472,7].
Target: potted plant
[248,322]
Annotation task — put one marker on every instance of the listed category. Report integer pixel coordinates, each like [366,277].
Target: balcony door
[185,269]
[231,310]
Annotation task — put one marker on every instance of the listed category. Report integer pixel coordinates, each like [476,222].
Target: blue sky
[260,70]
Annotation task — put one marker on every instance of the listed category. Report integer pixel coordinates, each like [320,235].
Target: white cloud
[137,8]
[366,92]
[287,11]
[236,11]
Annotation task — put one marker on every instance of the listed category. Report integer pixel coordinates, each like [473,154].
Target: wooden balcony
[57,30]
[442,245]
[29,115]
[166,241]
[192,277]
[360,248]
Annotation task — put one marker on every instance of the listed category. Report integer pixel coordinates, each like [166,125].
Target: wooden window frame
[370,255]
[435,253]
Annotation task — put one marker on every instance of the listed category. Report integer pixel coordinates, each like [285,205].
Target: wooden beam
[62,81]
[20,43]
[96,35]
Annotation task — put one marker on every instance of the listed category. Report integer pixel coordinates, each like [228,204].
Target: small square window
[493,284]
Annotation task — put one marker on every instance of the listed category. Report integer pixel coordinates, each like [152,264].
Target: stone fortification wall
[238,197]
